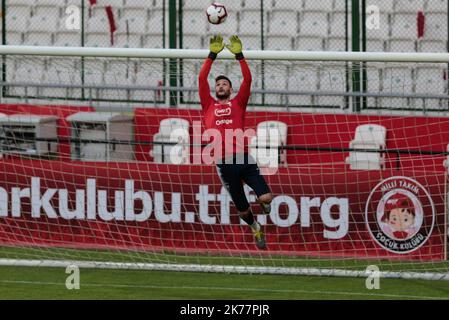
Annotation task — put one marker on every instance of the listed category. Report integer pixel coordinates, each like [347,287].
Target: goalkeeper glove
[235,47]
[216,46]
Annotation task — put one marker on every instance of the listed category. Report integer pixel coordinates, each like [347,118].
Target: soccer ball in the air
[216,13]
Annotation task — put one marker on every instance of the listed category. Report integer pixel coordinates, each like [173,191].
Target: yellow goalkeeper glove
[216,46]
[235,46]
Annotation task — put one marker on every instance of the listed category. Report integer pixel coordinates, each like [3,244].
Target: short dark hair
[223,77]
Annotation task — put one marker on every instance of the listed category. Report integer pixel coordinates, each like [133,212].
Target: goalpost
[351,189]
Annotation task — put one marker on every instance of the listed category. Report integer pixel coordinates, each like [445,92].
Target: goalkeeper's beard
[223,95]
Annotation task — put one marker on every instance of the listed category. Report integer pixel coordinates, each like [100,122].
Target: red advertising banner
[150,207]
[318,210]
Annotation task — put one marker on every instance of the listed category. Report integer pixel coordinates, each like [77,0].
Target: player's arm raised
[235,46]
[216,46]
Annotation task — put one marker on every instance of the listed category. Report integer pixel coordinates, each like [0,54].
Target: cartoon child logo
[399,217]
[400,214]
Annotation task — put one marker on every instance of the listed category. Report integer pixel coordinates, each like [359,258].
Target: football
[216,13]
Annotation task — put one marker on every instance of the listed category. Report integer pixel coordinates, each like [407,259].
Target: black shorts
[233,175]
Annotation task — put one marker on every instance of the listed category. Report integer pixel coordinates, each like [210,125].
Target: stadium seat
[153,41]
[254,5]
[337,25]
[385,6]
[68,39]
[40,31]
[276,79]
[283,23]
[148,75]
[279,43]
[172,130]
[432,46]
[130,32]
[404,27]
[250,23]
[372,137]
[199,5]
[28,74]
[436,26]
[51,8]
[155,25]
[314,25]
[337,44]
[251,42]
[194,21]
[436,6]
[116,78]
[302,78]
[429,81]
[56,76]
[376,45]
[402,45]
[16,21]
[409,6]
[14,38]
[287,5]
[396,80]
[141,11]
[190,80]
[264,147]
[331,80]
[318,6]
[309,43]
[373,82]
[25,3]
[383,32]
[192,41]
[98,40]
[340,6]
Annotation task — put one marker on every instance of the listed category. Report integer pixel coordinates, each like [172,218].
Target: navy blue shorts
[233,175]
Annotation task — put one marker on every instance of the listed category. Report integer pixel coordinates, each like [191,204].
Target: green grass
[49,283]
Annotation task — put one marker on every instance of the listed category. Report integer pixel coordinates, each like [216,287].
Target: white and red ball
[216,13]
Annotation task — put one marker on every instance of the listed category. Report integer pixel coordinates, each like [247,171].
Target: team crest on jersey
[400,214]
[223,112]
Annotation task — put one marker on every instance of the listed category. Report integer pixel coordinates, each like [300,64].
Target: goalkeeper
[224,114]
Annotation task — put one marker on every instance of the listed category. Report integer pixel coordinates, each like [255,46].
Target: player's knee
[244,213]
[266,198]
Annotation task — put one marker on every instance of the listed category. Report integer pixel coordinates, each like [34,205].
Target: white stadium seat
[153,41]
[68,39]
[373,81]
[172,130]
[287,5]
[283,23]
[98,40]
[432,46]
[337,44]
[309,43]
[319,6]
[429,81]
[97,25]
[194,41]
[331,80]
[43,23]
[255,5]
[409,6]
[397,80]
[302,78]
[14,38]
[251,42]
[385,6]
[250,23]
[196,5]
[136,8]
[371,137]
[194,21]
[149,76]
[116,78]
[55,76]
[437,6]
[402,45]
[404,27]
[436,26]
[279,43]
[136,25]
[337,25]
[264,147]
[17,22]
[155,25]
[275,79]
[314,25]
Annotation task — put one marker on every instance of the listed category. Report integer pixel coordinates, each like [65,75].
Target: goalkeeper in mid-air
[224,114]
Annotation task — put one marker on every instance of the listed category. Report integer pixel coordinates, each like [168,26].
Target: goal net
[103,162]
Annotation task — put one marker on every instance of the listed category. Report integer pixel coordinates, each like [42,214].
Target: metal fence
[329,25]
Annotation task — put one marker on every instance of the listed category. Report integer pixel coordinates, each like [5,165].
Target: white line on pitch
[229,289]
